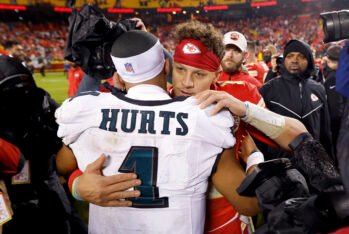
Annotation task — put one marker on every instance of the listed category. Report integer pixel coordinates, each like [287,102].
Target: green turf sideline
[55,83]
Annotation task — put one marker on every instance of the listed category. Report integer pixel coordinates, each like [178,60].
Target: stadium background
[41,26]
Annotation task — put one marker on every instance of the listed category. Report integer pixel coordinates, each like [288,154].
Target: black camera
[335,25]
[91,36]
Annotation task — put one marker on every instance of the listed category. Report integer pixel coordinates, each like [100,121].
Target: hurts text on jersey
[148,121]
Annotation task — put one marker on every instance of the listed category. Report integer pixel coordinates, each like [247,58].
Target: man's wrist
[254,158]
[74,192]
[246,104]
[268,122]
[72,182]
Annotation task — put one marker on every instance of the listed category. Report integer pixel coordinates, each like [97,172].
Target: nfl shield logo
[129,68]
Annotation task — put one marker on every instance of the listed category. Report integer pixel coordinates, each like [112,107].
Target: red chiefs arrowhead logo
[234,36]
[191,49]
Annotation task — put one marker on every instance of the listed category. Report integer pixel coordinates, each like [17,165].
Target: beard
[232,67]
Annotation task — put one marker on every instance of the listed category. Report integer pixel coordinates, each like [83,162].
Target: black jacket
[343,147]
[300,97]
[335,103]
[41,206]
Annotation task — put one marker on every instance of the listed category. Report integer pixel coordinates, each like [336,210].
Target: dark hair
[251,45]
[206,33]
[333,52]
[133,43]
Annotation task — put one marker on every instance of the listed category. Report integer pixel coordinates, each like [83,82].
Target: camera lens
[335,25]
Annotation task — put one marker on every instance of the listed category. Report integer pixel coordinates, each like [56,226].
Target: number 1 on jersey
[143,161]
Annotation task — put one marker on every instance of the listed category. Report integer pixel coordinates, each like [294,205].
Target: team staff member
[255,68]
[234,57]
[75,75]
[295,95]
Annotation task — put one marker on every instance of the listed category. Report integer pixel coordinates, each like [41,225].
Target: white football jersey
[172,146]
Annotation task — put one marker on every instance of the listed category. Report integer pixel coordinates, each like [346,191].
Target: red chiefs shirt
[257,70]
[75,76]
[10,158]
[221,216]
[239,76]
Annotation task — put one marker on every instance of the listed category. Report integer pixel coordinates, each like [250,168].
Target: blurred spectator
[41,64]
[342,81]
[295,95]
[255,68]
[334,99]
[15,50]
[66,67]
[268,52]
[275,66]
[75,75]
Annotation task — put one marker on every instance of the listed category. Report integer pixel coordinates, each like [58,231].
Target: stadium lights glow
[216,8]
[62,9]
[121,10]
[13,7]
[168,10]
[262,4]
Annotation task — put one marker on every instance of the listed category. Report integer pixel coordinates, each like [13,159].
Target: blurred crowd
[45,40]
[48,39]
[265,30]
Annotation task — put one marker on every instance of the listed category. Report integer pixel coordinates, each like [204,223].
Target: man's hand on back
[106,191]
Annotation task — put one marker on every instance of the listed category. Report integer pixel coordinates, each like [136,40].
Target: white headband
[141,67]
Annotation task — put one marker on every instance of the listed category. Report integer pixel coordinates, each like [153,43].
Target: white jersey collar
[147,92]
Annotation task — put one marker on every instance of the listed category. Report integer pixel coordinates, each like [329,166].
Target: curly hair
[206,33]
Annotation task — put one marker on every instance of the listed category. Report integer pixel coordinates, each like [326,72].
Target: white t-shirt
[171,144]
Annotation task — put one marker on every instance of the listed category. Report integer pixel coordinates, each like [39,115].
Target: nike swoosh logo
[332,87]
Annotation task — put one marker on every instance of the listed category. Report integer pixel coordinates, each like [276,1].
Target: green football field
[55,83]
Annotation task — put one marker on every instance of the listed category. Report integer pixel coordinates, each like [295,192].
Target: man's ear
[217,74]
[245,55]
[118,82]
